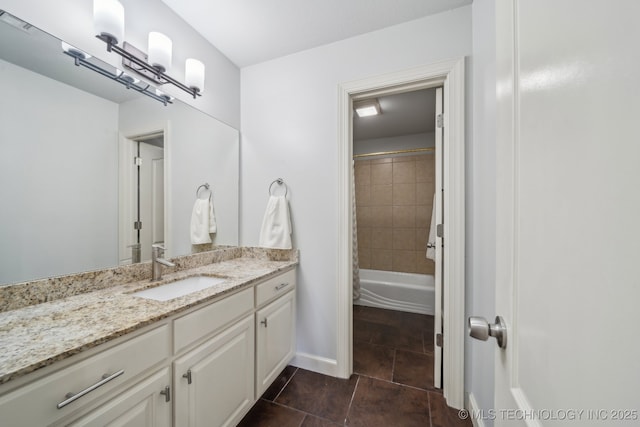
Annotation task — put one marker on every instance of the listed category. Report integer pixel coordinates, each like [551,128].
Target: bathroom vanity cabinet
[205,366]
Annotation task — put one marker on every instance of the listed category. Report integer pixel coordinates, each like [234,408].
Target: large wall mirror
[71,178]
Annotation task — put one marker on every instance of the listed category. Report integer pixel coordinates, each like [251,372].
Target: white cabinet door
[214,382]
[275,340]
[140,406]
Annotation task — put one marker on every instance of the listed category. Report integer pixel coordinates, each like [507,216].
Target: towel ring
[279,181]
[207,187]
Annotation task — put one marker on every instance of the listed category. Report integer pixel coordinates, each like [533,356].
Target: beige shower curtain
[356,267]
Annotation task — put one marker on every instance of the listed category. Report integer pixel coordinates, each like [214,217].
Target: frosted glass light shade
[194,74]
[108,19]
[159,51]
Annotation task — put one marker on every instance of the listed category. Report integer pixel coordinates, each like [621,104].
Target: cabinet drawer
[275,287]
[195,325]
[45,400]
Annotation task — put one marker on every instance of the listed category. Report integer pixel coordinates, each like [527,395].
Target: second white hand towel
[200,222]
[276,224]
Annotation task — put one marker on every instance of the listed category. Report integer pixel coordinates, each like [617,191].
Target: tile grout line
[286,384]
[353,395]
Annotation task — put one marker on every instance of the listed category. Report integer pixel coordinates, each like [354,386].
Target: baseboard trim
[472,407]
[315,363]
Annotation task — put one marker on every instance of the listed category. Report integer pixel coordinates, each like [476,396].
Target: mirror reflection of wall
[60,155]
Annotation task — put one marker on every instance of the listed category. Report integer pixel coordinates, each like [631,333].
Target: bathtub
[410,292]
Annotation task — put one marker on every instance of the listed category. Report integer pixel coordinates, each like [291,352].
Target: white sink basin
[179,288]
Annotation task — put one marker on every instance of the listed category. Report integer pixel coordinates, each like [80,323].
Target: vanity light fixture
[108,16]
[368,107]
[81,59]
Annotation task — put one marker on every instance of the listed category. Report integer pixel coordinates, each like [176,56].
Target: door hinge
[440,230]
[439,340]
[440,121]
[137,225]
[137,161]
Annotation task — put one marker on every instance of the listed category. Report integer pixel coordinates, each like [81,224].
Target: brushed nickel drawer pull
[187,376]
[72,397]
[282,285]
[166,393]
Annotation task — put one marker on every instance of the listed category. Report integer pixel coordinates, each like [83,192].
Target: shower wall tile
[404,216]
[394,197]
[404,261]
[423,264]
[364,257]
[381,216]
[382,173]
[363,195]
[404,239]
[382,259]
[404,194]
[423,215]
[364,237]
[381,238]
[404,172]
[381,195]
[363,172]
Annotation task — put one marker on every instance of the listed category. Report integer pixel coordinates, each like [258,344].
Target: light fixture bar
[159,76]
[121,78]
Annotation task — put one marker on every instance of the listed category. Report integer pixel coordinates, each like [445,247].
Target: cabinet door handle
[72,397]
[187,376]
[264,322]
[281,285]
[166,393]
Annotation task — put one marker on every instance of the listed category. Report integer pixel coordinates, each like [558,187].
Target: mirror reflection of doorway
[145,204]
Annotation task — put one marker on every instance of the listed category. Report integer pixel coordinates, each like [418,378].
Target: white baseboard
[314,363]
[472,407]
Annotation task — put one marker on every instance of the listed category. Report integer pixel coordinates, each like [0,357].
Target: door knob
[480,329]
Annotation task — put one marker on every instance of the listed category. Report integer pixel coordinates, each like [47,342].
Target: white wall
[72,21]
[289,130]
[481,203]
[198,149]
[404,142]
[59,191]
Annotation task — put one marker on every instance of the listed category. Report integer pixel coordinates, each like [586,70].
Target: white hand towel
[276,224]
[200,222]
[431,244]
[213,226]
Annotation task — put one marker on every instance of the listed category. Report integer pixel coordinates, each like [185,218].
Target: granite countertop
[38,335]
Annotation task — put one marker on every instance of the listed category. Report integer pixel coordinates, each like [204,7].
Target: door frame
[450,75]
[125,192]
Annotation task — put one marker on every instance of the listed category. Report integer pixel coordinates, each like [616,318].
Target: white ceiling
[406,113]
[253,31]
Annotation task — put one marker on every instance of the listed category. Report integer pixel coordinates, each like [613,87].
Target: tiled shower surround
[394,199]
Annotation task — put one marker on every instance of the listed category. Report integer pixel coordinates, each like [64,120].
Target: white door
[437,330]
[151,197]
[568,217]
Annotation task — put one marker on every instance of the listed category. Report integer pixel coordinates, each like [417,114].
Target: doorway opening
[397,169]
[142,211]
[450,76]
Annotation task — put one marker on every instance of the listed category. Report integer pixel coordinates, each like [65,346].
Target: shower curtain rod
[383,153]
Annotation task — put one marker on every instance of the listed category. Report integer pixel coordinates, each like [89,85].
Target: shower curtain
[356,267]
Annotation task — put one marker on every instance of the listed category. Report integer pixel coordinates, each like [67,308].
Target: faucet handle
[158,246]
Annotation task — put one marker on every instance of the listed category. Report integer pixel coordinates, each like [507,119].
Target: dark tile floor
[392,385]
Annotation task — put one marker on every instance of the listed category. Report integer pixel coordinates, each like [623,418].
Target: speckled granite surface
[38,335]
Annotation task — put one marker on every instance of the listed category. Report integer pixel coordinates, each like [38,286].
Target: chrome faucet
[157,251]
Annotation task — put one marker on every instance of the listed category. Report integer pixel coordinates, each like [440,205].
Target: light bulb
[108,19]
[194,74]
[159,51]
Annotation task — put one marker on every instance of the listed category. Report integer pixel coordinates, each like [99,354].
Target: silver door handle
[480,329]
